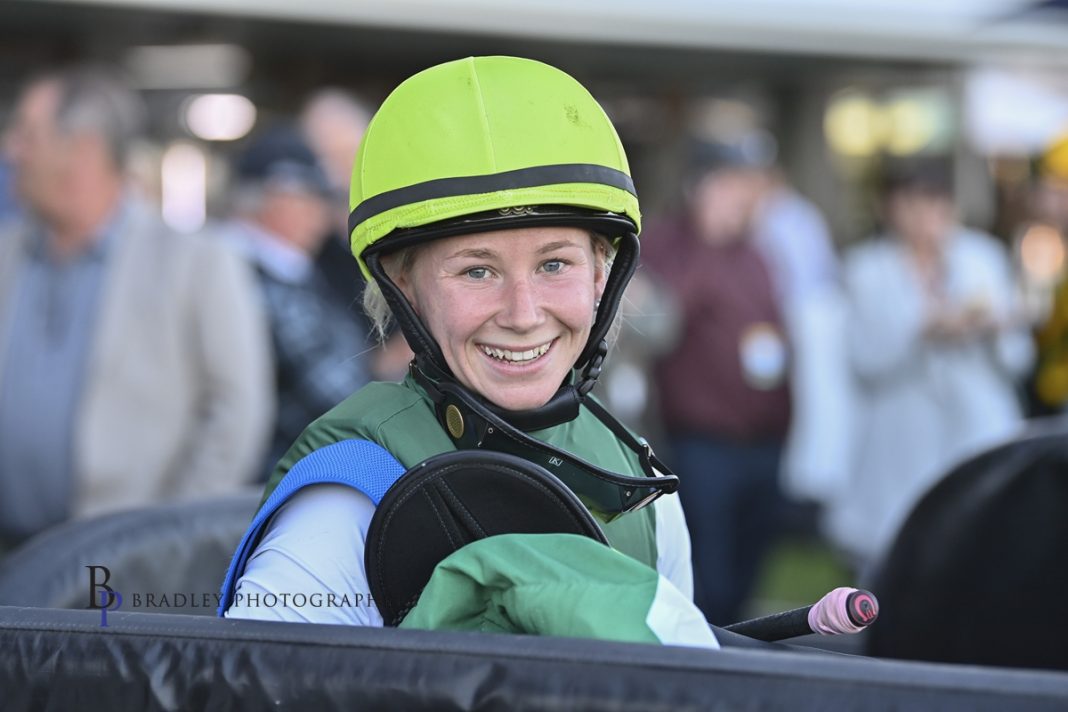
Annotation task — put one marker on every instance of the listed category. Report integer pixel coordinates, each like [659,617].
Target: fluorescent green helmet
[486,134]
[491,143]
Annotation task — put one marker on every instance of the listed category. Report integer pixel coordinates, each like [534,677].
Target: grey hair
[377,308]
[98,101]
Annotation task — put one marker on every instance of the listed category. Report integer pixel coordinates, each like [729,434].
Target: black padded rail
[63,659]
[183,547]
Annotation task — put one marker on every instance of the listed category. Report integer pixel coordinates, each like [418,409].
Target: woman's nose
[520,308]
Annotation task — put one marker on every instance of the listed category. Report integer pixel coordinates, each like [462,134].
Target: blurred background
[834,86]
[821,96]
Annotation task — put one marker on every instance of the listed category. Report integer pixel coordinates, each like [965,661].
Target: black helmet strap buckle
[592,370]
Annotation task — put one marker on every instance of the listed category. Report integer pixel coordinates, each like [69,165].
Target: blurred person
[936,348]
[282,218]
[333,123]
[1050,200]
[1050,380]
[649,327]
[1041,250]
[793,236]
[724,387]
[1050,194]
[134,362]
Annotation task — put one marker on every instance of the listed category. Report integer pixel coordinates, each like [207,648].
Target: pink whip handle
[843,610]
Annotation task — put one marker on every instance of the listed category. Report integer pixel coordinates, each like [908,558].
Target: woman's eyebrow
[478,253]
[553,246]
[485,253]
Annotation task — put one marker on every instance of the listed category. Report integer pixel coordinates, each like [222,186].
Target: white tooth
[517,356]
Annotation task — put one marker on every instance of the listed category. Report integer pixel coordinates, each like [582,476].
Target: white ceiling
[958,30]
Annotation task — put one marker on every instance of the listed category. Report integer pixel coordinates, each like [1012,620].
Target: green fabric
[400,417]
[543,584]
[483,116]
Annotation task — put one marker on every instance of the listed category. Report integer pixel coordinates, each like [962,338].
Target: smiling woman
[494,216]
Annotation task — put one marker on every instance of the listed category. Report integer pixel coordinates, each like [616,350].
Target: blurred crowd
[141,365]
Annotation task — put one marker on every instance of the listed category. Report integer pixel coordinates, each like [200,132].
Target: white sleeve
[673,544]
[886,314]
[308,567]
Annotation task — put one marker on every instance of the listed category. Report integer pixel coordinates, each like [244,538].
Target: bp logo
[102,596]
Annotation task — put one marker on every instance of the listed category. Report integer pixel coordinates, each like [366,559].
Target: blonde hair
[377,308]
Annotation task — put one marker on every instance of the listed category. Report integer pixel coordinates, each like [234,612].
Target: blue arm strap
[360,464]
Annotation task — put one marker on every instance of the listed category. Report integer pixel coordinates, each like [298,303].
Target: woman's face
[511,310]
[923,220]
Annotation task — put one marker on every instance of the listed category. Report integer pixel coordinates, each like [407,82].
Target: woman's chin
[517,386]
[523,398]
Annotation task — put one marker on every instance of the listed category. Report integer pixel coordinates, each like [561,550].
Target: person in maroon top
[723,388]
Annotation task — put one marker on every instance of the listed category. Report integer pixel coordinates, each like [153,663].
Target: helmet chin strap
[432,372]
[561,408]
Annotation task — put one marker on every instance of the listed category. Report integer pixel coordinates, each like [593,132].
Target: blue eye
[477,273]
[553,266]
